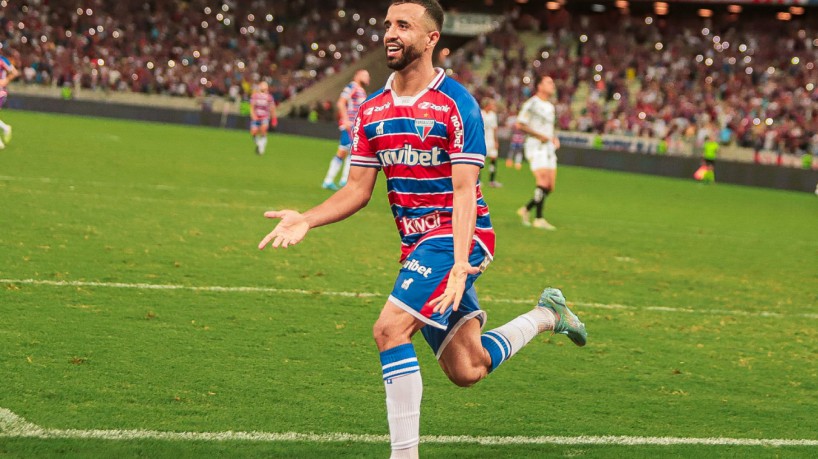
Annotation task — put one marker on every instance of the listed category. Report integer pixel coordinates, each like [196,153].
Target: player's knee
[466,377]
[386,335]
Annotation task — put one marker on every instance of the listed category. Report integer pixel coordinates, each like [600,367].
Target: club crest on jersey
[424,127]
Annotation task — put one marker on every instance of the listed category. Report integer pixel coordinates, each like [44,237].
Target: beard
[409,55]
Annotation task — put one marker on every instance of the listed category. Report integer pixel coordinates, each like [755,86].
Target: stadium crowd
[185,48]
[748,80]
[752,82]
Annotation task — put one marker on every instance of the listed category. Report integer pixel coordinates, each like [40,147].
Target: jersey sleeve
[361,151]
[524,116]
[467,140]
[346,94]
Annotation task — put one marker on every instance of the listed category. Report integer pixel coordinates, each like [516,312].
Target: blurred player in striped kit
[351,99]
[262,115]
[424,130]
[8,72]
[515,150]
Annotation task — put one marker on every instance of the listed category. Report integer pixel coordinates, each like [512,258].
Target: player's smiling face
[408,34]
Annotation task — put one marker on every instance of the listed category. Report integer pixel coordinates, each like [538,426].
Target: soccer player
[536,118]
[515,149]
[490,125]
[8,72]
[262,115]
[424,130]
[351,99]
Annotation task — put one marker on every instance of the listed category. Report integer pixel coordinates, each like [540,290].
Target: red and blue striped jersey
[354,95]
[261,104]
[5,70]
[416,140]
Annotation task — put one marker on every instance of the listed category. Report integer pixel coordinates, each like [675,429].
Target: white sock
[262,143]
[334,167]
[4,126]
[403,396]
[345,172]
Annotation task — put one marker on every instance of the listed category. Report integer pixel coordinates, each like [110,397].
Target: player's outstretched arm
[294,226]
[464,218]
[290,230]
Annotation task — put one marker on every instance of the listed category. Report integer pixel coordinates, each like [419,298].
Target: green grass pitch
[133,298]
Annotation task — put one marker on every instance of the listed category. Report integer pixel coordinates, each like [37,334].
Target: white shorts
[491,150]
[540,155]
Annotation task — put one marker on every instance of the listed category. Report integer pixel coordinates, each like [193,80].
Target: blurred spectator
[187,48]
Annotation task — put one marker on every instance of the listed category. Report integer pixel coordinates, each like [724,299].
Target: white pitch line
[14,426]
[216,288]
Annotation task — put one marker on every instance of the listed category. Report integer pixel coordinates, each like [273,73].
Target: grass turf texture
[717,336]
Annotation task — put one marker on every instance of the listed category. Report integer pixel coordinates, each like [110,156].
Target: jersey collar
[410,100]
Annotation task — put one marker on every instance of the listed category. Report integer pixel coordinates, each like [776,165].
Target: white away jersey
[538,115]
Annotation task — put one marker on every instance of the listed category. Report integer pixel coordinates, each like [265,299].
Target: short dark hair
[433,10]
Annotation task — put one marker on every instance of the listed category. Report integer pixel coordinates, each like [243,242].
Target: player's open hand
[290,230]
[455,286]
